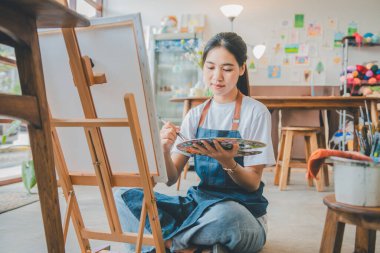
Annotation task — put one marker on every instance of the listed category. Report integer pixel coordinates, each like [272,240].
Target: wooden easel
[103,177]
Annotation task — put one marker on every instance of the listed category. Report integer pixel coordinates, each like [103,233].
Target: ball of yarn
[351,68]
[378,77]
[369,73]
[372,81]
[357,81]
[375,39]
[369,65]
[355,73]
[360,68]
[366,91]
[374,68]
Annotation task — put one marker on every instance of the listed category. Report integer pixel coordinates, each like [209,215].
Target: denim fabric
[179,214]
[128,222]
[244,234]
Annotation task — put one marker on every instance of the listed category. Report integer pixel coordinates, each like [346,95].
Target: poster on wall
[306,75]
[338,36]
[332,23]
[274,71]
[303,49]
[302,60]
[291,48]
[314,30]
[298,20]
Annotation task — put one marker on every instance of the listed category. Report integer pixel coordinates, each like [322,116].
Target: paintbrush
[181,136]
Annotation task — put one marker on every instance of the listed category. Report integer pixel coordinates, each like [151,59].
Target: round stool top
[301,128]
[330,201]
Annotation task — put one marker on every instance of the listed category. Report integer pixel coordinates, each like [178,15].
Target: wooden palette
[246,147]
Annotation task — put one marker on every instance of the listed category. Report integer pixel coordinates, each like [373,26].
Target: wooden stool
[284,163]
[366,220]
[19,20]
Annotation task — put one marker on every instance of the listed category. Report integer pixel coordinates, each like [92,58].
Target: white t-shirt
[255,124]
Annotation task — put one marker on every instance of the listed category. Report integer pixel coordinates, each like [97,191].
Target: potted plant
[11,155]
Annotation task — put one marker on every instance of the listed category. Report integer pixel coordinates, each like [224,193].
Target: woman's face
[221,71]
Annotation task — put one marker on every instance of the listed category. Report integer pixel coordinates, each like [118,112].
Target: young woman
[227,208]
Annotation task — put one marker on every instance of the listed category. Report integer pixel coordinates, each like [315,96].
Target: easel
[103,177]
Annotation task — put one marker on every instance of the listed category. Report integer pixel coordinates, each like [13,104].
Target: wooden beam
[23,107]
[8,61]
[126,179]
[90,122]
[125,237]
[10,181]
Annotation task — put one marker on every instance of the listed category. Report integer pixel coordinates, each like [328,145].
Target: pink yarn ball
[369,73]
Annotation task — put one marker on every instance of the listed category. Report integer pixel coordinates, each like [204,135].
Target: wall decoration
[303,49]
[337,59]
[328,40]
[263,61]
[274,71]
[306,75]
[301,60]
[299,20]
[314,30]
[338,36]
[286,60]
[251,65]
[332,23]
[294,37]
[285,23]
[277,48]
[319,68]
[352,28]
[291,48]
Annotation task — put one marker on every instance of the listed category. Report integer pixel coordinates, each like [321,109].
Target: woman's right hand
[168,135]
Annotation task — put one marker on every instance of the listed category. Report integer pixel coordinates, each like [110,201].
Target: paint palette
[245,146]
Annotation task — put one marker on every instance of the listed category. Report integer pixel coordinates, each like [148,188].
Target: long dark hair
[236,46]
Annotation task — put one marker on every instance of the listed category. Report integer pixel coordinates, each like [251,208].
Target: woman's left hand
[218,153]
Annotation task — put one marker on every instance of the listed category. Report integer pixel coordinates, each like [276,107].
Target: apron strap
[236,119]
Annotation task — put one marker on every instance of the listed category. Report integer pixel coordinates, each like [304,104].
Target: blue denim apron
[177,213]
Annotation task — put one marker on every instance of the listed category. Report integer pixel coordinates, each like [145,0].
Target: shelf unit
[349,41]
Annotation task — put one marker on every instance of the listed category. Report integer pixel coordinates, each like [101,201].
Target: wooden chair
[284,162]
[366,220]
[19,20]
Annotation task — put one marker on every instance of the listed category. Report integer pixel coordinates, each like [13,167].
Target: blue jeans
[228,223]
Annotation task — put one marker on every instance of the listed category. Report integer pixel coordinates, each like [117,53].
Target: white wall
[259,22]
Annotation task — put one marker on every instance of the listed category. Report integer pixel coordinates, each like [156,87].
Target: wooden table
[351,104]
[19,21]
